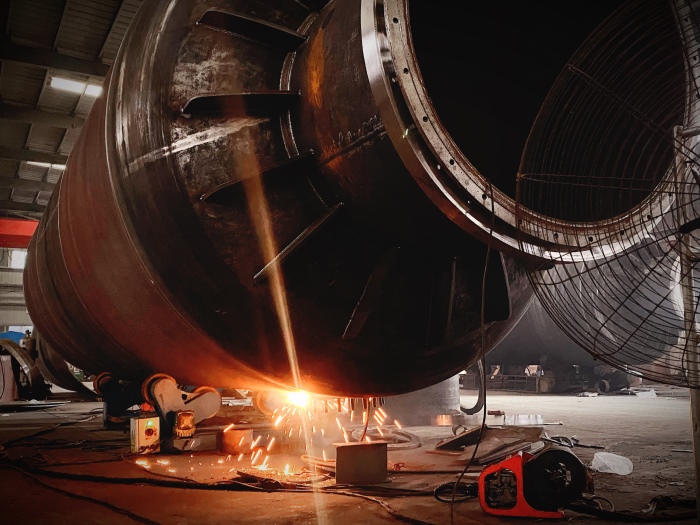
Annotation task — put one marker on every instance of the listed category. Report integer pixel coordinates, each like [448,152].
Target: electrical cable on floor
[114,508]
[392,512]
[457,492]
[464,490]
[229,485]
[586,506]
[2,371]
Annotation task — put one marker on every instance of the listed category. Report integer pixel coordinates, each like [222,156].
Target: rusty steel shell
[243,209]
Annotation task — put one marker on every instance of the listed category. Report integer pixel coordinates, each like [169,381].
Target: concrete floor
[36,485]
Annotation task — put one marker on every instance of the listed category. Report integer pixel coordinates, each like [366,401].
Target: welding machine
[532,485]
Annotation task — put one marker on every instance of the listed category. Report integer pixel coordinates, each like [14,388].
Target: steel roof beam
[25,184]
[31,156]
[37,116]
[52,59]
[7,205]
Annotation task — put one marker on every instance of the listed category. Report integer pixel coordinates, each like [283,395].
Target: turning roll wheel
[148,383]
[102,381]
[553,478]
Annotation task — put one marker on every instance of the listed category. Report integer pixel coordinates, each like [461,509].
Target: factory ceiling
[53,59]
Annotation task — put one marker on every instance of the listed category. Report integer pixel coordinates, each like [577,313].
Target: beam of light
[229,427]
[261,218]
[260,215]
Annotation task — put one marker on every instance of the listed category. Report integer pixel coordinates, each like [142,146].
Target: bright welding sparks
[278,420]
[240,457]
[379,429]
[382,412]
[255,443]
[143,463]
[229,427]
[298,398]
[397,423]
[272,442]
[240,443]
[324,456]
[286,470]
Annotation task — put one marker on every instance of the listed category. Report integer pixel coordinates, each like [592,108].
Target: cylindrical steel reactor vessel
[266,196]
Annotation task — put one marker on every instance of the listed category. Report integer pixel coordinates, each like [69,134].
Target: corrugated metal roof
[31,172]
[121,24]
[21,84]
[53,175]
[68,141]
[26,196]
[84,105]
[35,22]
[8,168]
[85,27]
[45,138]
[14,134]
[88,29]
[43,197]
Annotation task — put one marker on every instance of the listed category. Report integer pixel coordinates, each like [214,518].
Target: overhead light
[93,90]
[73,86]
[46,165]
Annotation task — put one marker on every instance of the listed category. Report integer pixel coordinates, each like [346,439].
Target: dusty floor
[75,471]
